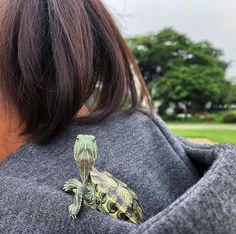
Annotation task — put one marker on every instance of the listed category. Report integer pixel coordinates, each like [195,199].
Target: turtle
[98,189]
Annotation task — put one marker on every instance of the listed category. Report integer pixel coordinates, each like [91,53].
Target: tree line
[185,74]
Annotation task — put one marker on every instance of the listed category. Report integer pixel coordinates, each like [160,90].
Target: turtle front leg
[74,208]
[75,186]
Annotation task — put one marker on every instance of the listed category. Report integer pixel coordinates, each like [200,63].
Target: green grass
[218,118]
[217,136]
[190,122]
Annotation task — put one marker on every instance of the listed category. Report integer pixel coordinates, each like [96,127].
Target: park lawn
[215,135]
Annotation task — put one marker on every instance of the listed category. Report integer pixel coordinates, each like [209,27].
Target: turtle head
[85,154]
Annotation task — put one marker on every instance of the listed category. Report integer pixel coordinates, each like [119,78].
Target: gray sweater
[183,187]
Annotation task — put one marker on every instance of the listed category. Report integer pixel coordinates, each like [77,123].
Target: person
[65,69]
[55,55]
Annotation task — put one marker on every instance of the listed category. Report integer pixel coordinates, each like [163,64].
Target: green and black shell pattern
[115,198]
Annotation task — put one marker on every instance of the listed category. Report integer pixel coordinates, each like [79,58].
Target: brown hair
[54,54]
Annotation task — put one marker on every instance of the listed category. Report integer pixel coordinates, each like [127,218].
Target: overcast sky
[213,20]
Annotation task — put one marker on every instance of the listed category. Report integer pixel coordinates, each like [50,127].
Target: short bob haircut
[56,54]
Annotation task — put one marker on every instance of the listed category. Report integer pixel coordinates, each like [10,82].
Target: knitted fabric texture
[183,187]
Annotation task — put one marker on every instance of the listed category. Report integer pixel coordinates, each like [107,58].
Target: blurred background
[186,50]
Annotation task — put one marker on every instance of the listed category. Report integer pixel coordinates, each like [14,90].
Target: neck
[9,132]
[9,129]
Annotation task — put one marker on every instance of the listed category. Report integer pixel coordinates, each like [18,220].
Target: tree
[231,99]
[158,53]
[178,70]
[194,86]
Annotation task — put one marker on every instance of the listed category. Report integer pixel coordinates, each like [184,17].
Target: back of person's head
[57,54]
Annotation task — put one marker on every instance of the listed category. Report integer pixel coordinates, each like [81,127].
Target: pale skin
[85,154]
[9,139]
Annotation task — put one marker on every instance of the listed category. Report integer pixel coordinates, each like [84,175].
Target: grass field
[214,130]
[215,135]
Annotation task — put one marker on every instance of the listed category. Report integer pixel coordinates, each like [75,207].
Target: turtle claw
[67,187]
[74,210]
[71,184]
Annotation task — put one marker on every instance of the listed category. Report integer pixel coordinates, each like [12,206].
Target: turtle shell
[115,198]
